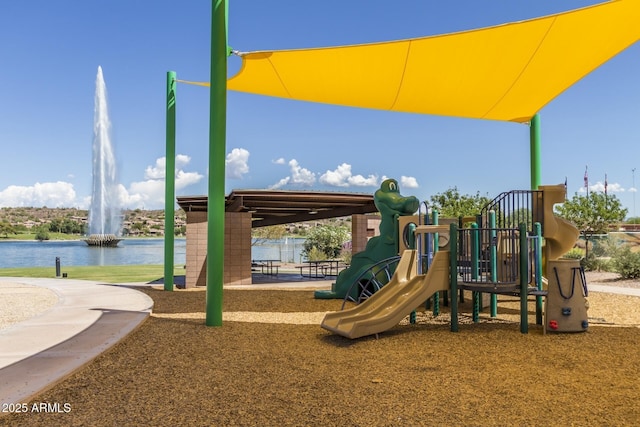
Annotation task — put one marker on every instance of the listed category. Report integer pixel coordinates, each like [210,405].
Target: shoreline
[3,239]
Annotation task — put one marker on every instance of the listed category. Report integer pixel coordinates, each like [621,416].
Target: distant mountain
[135,221]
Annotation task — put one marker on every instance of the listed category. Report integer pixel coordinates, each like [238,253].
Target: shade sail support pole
[534,142]
[217,148]
[169,183]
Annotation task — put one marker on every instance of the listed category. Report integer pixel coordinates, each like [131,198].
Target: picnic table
[268,267]
[320,268]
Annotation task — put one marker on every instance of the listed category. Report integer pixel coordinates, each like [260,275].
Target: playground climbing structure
[506,249]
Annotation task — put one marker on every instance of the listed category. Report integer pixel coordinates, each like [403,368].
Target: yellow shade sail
[507,72]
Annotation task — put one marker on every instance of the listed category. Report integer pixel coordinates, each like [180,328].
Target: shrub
[315,254]
[627,263]
[346,256]
[594,263]
[42,233]
[605,246]
[327,239]
[575,253]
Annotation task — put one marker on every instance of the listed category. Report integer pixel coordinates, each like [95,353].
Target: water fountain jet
[105,214]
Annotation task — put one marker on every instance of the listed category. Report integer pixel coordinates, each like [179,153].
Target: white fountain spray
[105,215]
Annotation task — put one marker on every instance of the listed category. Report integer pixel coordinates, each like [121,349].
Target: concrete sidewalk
[87,319]
[619,290]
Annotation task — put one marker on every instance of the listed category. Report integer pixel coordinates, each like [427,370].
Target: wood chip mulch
[179,372]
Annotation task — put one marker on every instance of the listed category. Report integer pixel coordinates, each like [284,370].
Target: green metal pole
[524,274]
[453,274]
[436,236]
[538,270]
[534,137]
[475,251]
[217,148]
[426,238]
[493,254]
[169,182]
[434,248]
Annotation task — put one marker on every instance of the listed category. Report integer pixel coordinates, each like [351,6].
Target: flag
[586,178]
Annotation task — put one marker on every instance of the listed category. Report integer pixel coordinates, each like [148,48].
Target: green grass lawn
[107,274]
[32,236]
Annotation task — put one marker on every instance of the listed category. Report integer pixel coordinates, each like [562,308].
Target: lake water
[15,254]
[286,250]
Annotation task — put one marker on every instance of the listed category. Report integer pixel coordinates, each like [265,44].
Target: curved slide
[564,238]
[560,235]
[387,307]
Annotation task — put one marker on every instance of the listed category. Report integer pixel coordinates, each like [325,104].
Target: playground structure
[391,205]
[507,249]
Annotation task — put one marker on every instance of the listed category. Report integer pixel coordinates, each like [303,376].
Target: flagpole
[606,197]
[633,178]
[586,179]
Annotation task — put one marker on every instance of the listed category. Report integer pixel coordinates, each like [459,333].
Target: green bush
[575,253]
[594,263]
[606,246]
[346,256]
[315,254]
[42,233]
[327,239]
[627,263]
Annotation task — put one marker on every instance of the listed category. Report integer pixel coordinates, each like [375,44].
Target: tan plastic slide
[560,235]
[387,307]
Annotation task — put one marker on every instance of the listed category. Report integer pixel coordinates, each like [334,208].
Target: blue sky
[51,51]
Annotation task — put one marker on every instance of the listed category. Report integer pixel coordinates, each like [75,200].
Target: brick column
[363,227]
[237,249]
[196,255]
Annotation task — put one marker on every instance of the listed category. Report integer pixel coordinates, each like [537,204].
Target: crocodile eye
[393,186]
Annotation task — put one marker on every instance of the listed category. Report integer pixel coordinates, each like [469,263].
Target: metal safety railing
[488,255]
[513,208]
[496,261]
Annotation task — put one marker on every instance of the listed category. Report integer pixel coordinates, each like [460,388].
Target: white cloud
[185,179]
[85,202]
[343,177]
[633,190]
[408,182]
[237,163]
[158,171]
[284,181]
[50,194]
[280,161]
[182,160]
[300,175]
[361,181]
[611,188]
[338,177]
[148,194]
[615,188]
[141,195]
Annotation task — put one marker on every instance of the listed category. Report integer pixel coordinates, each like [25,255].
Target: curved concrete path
[88,318]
